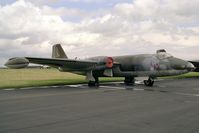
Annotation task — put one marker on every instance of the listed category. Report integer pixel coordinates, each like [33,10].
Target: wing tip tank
[17,63]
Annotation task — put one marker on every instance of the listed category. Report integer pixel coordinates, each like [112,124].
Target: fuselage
[154,65]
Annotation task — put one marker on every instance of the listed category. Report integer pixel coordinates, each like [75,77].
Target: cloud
[42,2]
[142,26]
[75,1]
[64,13]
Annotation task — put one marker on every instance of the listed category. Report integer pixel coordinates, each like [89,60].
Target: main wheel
[129,81]
[94,83]
[91,83]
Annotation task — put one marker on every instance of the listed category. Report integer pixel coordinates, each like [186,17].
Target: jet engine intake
[104,63]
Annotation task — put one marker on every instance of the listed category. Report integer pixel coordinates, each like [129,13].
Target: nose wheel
[149,82]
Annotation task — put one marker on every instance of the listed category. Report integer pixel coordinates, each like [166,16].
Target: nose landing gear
[149,82]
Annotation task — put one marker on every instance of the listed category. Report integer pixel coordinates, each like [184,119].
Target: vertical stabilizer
[58,52]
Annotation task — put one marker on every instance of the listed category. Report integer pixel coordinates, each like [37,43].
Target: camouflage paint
[152,65]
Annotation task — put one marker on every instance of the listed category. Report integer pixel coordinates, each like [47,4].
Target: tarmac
[171,106]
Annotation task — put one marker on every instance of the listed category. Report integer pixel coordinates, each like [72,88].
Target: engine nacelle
[103,62]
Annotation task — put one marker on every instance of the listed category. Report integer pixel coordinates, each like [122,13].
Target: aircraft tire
[129,81]
[149,82]
[93,84]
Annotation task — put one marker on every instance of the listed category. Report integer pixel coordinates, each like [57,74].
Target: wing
[60,63]
[196,64]
[83,67]
[65,64]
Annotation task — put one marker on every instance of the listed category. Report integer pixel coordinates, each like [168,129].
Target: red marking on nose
[155,66]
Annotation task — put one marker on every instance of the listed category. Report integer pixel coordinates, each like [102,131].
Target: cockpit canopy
[160,51]
[162,54]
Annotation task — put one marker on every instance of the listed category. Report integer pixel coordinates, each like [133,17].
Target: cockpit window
[160,51]
[12,58]
[163,55]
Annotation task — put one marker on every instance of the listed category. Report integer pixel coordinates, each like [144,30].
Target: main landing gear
[129,81]
[149,82]
[94,83]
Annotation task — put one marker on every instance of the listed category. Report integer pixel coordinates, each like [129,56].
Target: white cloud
[64,12]
[128,28]
[44,2]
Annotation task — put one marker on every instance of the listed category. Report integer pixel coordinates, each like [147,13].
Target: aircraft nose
[190,67]
[9,62]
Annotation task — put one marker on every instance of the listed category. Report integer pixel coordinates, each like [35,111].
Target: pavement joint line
[43,87]
[112,87]
[78,85]
[61,94]
[120,88]
[138,82]
[10,89]
[139,89]
[54,86]
[26,88]
[112,82]
[187,94]
[32,110]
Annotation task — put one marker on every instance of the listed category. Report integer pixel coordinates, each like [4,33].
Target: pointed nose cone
[6,64]
[190,66]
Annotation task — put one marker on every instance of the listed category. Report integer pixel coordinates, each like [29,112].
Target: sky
[87,28]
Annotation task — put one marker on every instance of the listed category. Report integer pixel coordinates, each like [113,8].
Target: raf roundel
[109,62]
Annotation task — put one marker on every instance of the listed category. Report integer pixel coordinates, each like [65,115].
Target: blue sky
[5,2]
[88,5]
[80,4]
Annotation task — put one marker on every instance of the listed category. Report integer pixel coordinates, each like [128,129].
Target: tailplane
[58,52]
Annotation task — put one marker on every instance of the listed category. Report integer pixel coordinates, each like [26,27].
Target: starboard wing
[68,64]
[60,63]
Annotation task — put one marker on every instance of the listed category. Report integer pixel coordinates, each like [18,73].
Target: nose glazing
[190,67]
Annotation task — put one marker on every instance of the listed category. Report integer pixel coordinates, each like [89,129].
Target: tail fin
[58,52]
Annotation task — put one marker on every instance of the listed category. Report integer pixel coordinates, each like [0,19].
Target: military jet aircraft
[129,66]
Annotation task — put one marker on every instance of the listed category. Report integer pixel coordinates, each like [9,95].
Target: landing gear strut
[94,83]
[129,81]
[149,82]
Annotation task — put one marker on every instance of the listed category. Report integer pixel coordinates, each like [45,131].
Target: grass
[17,78]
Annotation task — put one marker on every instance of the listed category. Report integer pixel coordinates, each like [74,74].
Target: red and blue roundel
[109,62]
